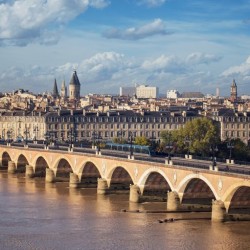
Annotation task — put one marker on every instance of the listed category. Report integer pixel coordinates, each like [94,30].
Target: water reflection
[39,215]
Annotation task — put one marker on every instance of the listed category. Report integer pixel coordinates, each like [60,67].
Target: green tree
[142,140]
[196,136]
[240,151]
[119,140]
[167,139]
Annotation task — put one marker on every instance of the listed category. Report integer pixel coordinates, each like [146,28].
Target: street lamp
[213,149]
[62,136]
[120,134]
[26,133]
[230,146]
[71,137]
[36,133]
[46,138]
[188,141]
[96,141]
[93,139]
[169,146]
[52,137]
[9,134]
[130,139]
[3,134]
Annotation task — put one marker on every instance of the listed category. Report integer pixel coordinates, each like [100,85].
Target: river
[37,215]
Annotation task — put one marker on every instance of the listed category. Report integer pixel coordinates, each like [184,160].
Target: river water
[38,215]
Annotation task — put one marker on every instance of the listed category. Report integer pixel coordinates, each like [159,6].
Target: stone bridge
[223,192]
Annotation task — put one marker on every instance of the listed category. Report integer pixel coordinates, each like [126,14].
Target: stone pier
[134,194]
[73,180]
[173,202]
[50,175]
[29,171]
[11,167]
[218,211]
[102,186]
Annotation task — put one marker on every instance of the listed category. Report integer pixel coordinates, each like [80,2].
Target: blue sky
[188,45]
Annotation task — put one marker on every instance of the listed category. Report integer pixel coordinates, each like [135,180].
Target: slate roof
[74,79]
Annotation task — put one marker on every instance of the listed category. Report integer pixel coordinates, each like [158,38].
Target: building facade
[127,91]
[112,124]
[233,124]
[21,125]
[144,91]
[173,94]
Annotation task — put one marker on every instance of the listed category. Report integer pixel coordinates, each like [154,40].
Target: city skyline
[195,45]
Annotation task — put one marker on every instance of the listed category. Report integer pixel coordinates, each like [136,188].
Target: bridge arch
[63,169]
[156,186]
[120,178]
[89,173]
[40,166]
[5,159]
[145,175]
[237,196]
[184,183]
[21,163]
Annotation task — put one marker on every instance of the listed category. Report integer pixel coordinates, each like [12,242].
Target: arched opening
[240,203]
[21,164]
[40,167]
[5,159]
[120,179]
[63,170]
[156,187]
[198,194]
[90,174]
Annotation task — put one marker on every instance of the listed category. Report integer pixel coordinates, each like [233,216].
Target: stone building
[113,124]
[19,125]
[233,124]
[144,91]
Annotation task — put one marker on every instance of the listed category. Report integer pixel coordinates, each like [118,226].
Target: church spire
[55,93]
[63,90]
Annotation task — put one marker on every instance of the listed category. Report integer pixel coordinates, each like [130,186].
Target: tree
[119,140]
[197,136]
[240,151]
[142,140]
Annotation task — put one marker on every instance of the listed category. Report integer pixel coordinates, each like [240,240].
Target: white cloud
[106,72]
[152,3]
[201,58]
[157,27]
[99,3]
[239,70]
[24,21]
[179,65]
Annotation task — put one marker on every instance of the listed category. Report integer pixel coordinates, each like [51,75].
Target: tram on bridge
[137,149]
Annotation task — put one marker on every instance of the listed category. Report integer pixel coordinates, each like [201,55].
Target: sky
[187,45]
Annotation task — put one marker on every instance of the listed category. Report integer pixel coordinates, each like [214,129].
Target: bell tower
[74,87]
[233,92]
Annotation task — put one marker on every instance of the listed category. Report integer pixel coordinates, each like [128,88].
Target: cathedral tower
[74,87]
[233,91]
